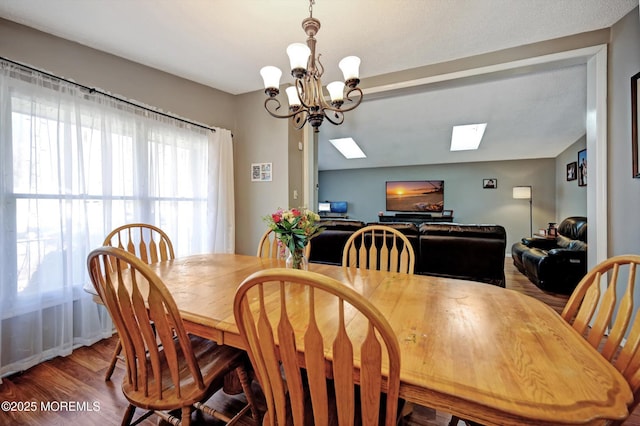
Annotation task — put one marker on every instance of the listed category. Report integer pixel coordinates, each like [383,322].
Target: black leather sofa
[466,251]
[327,246]
[555,264]
[463,251]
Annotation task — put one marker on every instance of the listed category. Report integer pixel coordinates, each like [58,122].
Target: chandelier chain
[311,3]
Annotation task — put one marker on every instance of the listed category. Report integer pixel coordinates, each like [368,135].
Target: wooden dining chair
[147,242]
[283,331]
[270,246]
[185,370]
[379,247]
[591,310]
[383,248]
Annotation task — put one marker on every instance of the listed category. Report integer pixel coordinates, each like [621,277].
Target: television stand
[327,215]
[416,218]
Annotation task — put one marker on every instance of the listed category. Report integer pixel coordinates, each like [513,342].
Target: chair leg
[246,387]
[168,418]
[128,415]
[219,414]
[114,359]
[455,419]
[186,416]
[407,409]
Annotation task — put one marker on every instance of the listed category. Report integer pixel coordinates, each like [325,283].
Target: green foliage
[294,227]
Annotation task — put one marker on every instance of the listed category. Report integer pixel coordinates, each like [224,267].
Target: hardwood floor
[77,380]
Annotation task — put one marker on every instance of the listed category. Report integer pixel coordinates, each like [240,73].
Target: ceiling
[224,43]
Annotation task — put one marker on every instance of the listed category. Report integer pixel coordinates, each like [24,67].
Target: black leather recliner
[557,264]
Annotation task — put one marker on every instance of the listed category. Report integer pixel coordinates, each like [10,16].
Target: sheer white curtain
[73,166]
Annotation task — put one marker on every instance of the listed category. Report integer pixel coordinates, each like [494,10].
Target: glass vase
[297,260]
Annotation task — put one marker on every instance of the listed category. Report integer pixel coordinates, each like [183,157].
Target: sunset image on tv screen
[415,196]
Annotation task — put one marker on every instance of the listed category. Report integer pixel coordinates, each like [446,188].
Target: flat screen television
[415,196]
[338,206]
[332,207]
[324,207]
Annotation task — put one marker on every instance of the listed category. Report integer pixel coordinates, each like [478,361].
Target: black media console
[415,218]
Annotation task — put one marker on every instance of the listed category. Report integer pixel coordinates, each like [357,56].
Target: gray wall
[624,191]
[571,199]
[116,75]
[260,138]
[257,137]
[364,189]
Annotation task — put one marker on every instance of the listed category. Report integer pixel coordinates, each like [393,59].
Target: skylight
[348,147]
[467,137]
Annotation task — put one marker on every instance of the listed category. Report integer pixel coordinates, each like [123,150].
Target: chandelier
[307,103]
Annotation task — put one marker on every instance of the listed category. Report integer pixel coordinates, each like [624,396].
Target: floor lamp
[525,193]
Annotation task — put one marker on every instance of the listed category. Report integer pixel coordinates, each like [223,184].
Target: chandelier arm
[301,122]
[317,101]
[273,114]
[301,93]
[357,89]
[299,116]
[319,67]
[339,116]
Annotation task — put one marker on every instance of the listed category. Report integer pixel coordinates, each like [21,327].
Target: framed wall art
[582,168]
[635,112]
[490,183]
[572,169]
[261,172]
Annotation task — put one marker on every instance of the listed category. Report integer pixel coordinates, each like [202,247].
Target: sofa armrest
[540,243]
[562,254]
[557,270]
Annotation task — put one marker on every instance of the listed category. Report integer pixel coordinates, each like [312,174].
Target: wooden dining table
[478,351]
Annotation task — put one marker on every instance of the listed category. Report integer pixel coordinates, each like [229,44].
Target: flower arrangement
[294,228]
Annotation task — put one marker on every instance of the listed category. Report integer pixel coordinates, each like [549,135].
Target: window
[75,165]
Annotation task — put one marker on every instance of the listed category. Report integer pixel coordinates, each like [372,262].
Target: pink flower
[288,224]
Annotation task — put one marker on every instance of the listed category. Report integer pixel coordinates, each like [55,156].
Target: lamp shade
[271,76]
[350,67]
[522,192]
[298,55]
[292,95]
[336,90]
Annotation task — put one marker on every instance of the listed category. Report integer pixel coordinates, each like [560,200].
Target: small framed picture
[490,183]
[572,171]
[447,213]
[582,168]
[261,172]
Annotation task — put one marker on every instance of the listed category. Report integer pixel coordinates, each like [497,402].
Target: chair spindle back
[276,313]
